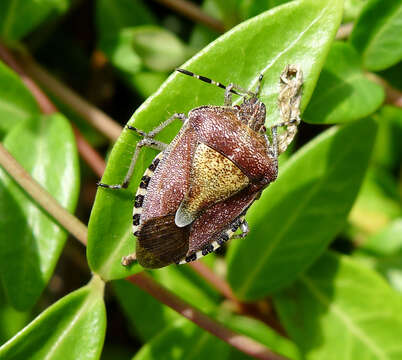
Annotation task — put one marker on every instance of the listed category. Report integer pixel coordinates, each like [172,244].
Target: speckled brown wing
[242,145]
[159,241]
[170,181]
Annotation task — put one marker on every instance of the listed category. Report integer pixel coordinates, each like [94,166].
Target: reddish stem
[88,153]
[217,282]
[240,342]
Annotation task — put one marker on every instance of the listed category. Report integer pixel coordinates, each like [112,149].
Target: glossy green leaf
[377,34]
[147,316]
[11,320]
[377,202]
[262,333]
[16,102]
[18,18]
[183,340]
[352,9]
[393,75]
[302,211]
[387,242]
[72,328]
[30,240]
[298,33]
[388,149]
[113,16]
[186,284]
[383,251]
[342,310]
[117,22]
[147,82]
[343,93]
[158,49]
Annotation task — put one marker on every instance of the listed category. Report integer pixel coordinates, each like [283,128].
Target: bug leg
[129,259]
[160,127]
[228,95]
[244,230]
[148,141]
[154,144]
[259,85]
[291,81]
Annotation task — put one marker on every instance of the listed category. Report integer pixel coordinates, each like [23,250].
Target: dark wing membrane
[170,181]
[217,218]
[160,242]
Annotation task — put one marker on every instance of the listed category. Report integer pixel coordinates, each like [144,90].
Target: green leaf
[11,320]
[393,75]
[352,9]
[302,211]
[377,202]
[147,82]
[377,34]
[383,251]
[117,22]
[113,16]
[16,102]
[18,18]
[158,49]
[388,149]
[183,340]
[147,316]
[343,93]
[186,284]
[262,333]
[250,8]
[73,328]
[120,51]
[297,33]
[30,240]
[387,242]
[342,310]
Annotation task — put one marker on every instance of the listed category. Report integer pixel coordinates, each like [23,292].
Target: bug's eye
[237,107]
[263,129]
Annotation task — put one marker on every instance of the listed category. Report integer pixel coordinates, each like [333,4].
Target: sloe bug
[196,192]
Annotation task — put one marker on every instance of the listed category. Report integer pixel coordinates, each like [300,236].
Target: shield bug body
[196,192]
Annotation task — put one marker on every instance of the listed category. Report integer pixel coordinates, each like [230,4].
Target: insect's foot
[128,260]
[106,186]
[138,131]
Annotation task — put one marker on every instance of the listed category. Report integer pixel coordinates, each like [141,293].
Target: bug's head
[252,112]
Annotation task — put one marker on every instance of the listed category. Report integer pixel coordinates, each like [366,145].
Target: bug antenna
[205,79]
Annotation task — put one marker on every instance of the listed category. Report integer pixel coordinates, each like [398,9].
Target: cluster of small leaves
[341,188]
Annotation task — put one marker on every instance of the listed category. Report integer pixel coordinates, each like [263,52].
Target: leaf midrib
[71,324]
[322,181]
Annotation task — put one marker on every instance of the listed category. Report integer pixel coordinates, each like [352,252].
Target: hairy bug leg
[291,81]
[244,231]
[147,141]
